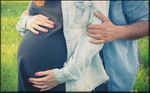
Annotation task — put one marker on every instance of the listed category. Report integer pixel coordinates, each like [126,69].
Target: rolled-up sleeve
[21,24]
[136,10]
[82,56]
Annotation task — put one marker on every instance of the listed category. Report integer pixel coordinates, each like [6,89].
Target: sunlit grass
[142,82]
[144,48]
[9,45]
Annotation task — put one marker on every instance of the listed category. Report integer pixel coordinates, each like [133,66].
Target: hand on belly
[46,82]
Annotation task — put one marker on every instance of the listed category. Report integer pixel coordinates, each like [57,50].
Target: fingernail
[46,30]
[37,33]
[52,26]
[53,23]
[30,79]
[37,74]
[33,85]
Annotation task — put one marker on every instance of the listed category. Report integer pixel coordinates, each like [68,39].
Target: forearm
[78,62]
[134,31]
[82,57]
[84,52]
[21,24]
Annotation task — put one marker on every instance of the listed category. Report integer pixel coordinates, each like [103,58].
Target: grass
[142,81]
[11,10]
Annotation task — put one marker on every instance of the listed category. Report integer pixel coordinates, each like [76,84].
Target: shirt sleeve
[82,56]
[135,10]
[21,24]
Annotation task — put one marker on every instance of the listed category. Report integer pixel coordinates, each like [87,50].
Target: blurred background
[10,39]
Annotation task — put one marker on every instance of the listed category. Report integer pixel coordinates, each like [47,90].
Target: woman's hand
[35,23]
[45,83]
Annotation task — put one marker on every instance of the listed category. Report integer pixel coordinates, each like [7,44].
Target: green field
[10,39]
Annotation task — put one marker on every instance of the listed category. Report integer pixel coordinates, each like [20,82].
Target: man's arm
[135,31]
[109,32]
[136,14]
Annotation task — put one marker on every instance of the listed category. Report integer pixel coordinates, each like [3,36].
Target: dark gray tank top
[48,49]
[51,9]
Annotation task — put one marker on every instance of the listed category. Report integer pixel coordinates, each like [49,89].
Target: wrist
[122,31]
[24,21]
[59,75]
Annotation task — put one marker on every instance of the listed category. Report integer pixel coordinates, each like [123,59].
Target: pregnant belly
[42,52]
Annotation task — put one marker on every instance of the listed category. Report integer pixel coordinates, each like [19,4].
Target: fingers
[39,28]
[35,23]
[97,32]
[94,36]
[45,89]
[42,73]
[95,41]
[42,16]
[41,86]
[44,79]
[96,26]
[45,83]
[34,31]
[45,19]
[101,16]
[39,83]
[48,88]
[46,23]
[91,31]
[50,22]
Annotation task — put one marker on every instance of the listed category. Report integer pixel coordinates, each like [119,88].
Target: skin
[100,33]
[107,31]
[44,83]
[35,22]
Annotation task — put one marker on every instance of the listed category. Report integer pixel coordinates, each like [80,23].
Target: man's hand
[45,83]
[105,32]
[35,23]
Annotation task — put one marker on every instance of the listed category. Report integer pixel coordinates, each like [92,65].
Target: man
[128,21]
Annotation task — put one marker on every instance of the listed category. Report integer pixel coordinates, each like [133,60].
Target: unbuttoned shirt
[121,56]
[83,69]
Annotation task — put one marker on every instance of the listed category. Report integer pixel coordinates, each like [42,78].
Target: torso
[47,50]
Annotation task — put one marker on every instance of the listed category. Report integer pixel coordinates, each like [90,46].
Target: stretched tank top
[46,50]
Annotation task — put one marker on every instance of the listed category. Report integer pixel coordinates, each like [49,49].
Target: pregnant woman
[40,55]
[44,51]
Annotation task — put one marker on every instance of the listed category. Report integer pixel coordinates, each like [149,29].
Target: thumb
[101,16]
[42,73]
